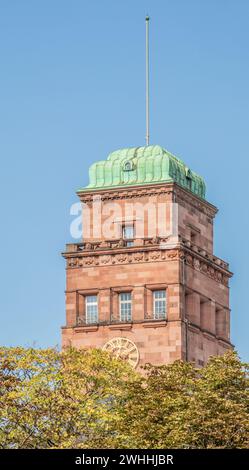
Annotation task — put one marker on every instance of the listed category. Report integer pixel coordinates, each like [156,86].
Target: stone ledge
[120,326]
[155,324]
[225,343]
[86,329]
[208,334]
[193,328]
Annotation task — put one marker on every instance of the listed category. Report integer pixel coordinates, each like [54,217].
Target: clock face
[123,348]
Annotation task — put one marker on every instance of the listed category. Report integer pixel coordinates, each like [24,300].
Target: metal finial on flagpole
[147,19]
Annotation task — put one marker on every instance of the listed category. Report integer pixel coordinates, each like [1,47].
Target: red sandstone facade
[196,324]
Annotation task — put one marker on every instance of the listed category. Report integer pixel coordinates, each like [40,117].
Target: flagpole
[147,19]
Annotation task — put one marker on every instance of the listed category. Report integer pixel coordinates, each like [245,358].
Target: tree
[50,399]
[180,406]
[88,399]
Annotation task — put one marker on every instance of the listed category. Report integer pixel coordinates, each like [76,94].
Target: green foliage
[88,399]
[182,407]
[50,399]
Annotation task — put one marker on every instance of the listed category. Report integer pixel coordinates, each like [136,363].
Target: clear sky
[72,90]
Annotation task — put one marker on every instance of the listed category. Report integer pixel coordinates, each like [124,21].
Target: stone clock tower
[144,282]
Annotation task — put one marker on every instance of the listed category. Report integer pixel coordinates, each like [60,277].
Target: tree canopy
[89,399]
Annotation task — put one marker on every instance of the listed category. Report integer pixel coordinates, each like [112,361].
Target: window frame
[159,315]
[88,315]
[129,240]
[127,318]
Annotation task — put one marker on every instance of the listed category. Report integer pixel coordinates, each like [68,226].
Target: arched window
[127,166]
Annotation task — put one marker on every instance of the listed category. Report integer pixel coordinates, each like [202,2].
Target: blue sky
[72,90]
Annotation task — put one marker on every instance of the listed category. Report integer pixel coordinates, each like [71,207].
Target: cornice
[183,196]
[206,264]
[177,193]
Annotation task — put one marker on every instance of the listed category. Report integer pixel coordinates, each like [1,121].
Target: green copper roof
[143,165]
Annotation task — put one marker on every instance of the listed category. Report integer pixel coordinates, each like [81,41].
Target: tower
[144,282]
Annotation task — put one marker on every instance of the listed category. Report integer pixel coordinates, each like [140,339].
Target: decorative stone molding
[76,261]
[205,267]
[132,193]
[182,196]
[207,264]
[174,192]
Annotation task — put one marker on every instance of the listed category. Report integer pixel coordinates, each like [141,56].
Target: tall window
[193,237]
[91,304]
[128,234]
[125,306]
[159,304]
